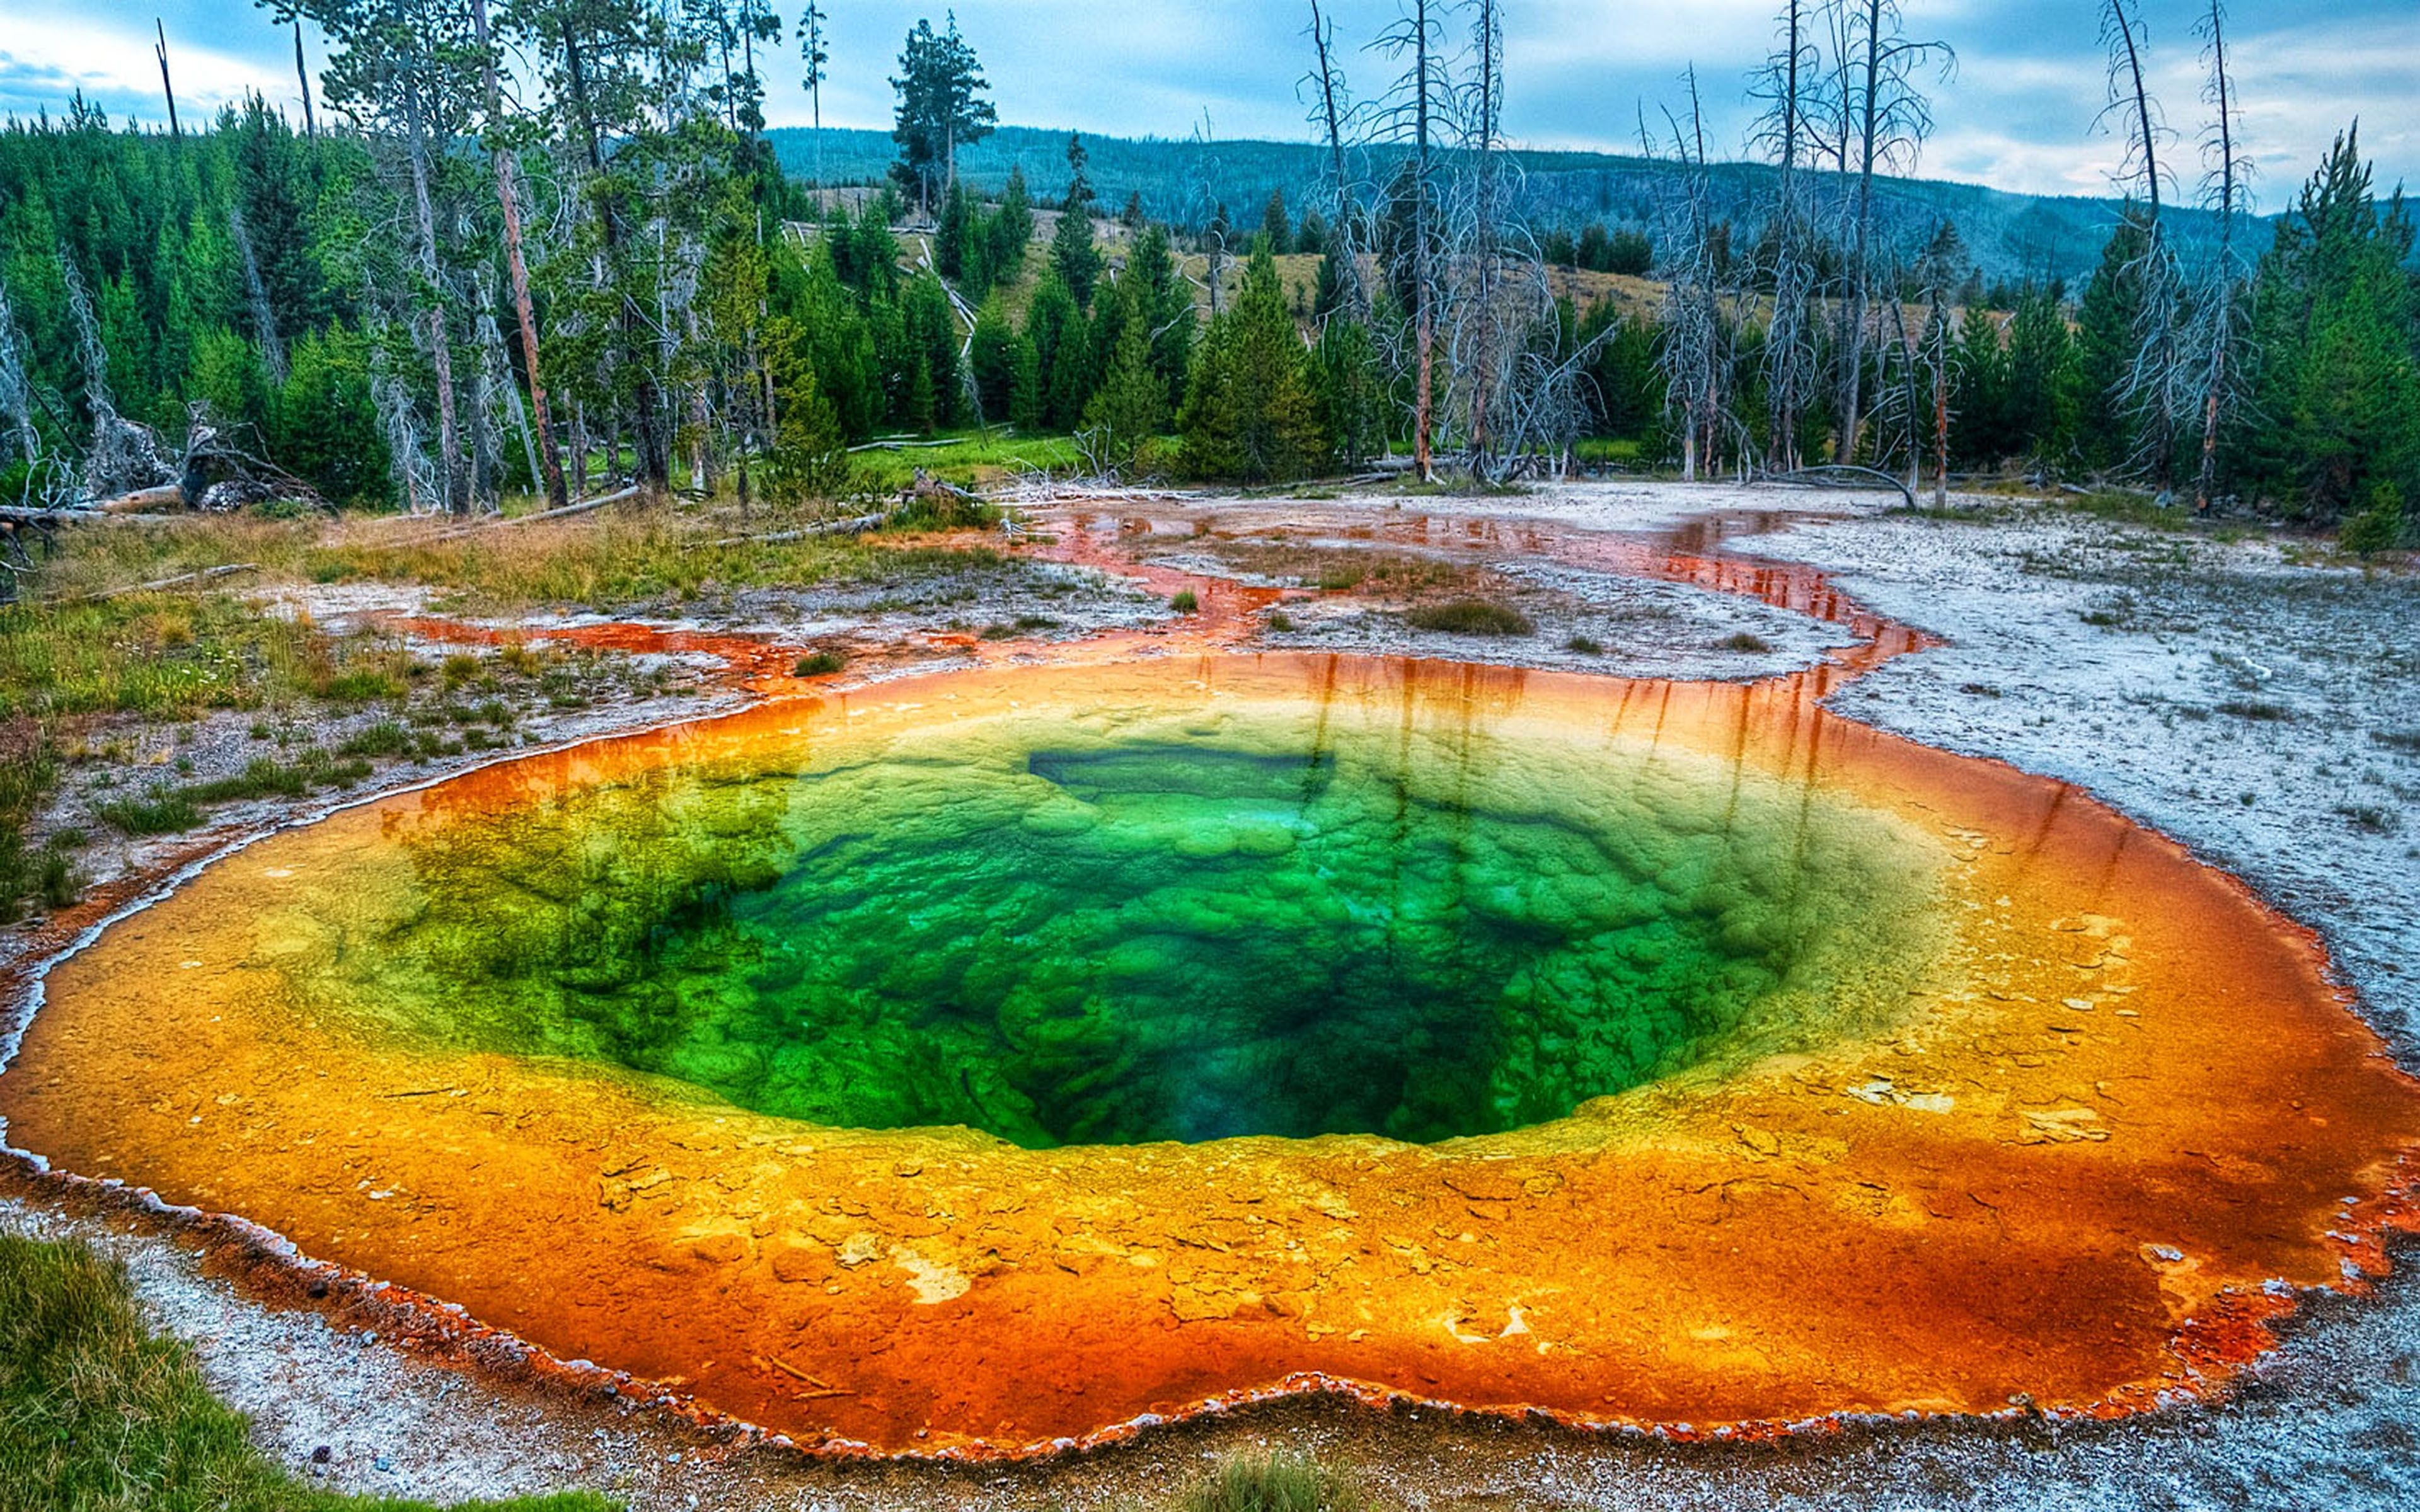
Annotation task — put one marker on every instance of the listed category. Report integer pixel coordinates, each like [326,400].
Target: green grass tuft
[96,1415]
[1276,1483]
[819,664]
[1470,616]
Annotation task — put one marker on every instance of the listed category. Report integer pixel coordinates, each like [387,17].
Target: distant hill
[2011,236]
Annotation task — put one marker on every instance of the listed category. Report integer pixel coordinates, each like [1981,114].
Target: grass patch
[162,812]
[1276,1483]
[1185,603]
[1281,620]
[1470,616]
[172,811]
[2129,508]
[96,1415]
[2260,709]
[29,771]
[1743,641]
[971,460]
[2403,740]
[2376,819]
[384,738]
[152,654]
[1585,646]
[819,664]
[936,509]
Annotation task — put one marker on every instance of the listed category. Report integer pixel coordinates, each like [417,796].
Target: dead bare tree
[1332,114]
[302,76]
[1213,211]
[1480,234]
[167,85]
[2221,334]
[1692,357]
[1788,85]
[1410,115]
[16,386]
[2156,383]
[1889,118]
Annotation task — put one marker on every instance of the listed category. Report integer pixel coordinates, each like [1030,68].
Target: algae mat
[989,1062]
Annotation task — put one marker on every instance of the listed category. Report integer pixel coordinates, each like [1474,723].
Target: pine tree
[955,233]
[2107,322]
[1131,406]
[1025,393]
[991,355]
[940,87]
[1275,224]
[2336,325]
[1012,227]
[1166,302]
[1073,255]
[1062,349]
[1352,399]
[1251,413]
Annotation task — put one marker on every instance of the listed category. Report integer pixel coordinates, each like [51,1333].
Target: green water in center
[1149,930]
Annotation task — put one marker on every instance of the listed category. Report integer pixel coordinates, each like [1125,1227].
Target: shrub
[162,812]
[1184,602]
[1470,616]
[1752,644]
[1276,1483]
[819,664]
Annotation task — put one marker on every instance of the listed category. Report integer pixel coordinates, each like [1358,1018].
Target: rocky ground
[2257,702]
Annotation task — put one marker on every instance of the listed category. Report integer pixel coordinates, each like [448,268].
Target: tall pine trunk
[508,195]
[453,485]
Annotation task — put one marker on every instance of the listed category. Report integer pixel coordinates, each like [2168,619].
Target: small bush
[939,509]
[384,738]
[162,811]
[819,664]
[1585,646]
[1185,603]
[1276,1483]
[2405,740]
[1281,621]
[2256,709]
[1743,641]
[2375,818]
[2376,528]
[1470,616]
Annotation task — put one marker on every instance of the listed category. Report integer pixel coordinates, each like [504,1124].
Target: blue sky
[2019,115]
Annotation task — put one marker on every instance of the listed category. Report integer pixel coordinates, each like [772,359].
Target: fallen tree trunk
[565,512]
[205,575]
[165,495]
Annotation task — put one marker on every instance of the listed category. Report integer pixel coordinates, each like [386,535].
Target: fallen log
[565,512]
[205,575]
[165,495]
[854,525]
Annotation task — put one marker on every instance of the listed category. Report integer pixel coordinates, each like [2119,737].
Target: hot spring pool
[1141,924]
[992,1062]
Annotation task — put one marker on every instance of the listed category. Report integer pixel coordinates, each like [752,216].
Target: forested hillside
[440,292]
[2012,237]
